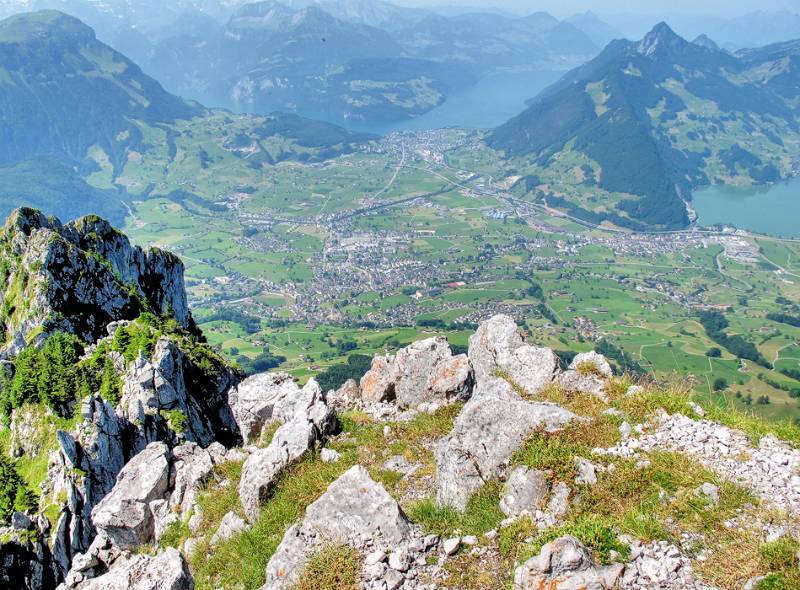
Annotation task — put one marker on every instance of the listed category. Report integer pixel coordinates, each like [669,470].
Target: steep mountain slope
[643,123]
[76,114]
[62,92]
[49,184]
[79,277]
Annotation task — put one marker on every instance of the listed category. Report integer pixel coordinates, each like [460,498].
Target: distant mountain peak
[660,40]
[43,25]
[704,40]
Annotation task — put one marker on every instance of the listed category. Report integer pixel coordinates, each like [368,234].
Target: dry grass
[333,568]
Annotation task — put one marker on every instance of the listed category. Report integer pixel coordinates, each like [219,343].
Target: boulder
[497,348]
[565,564]
[354,511]
[253,402]
[125,515]
[166,571]
[424,372]
[491,427]
[524,492]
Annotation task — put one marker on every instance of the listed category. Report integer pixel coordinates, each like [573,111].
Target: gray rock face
[107,439]
[524,492]
[253,402]
[152,388]
[491,427]
[125,515]
[166,571]
[426,371]
[156,488]
[565,564]
[85,264]
[352,511]
[98,450]
[498,346]
[306,419]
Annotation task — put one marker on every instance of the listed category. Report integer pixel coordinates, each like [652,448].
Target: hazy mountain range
[647,121]
[358,60]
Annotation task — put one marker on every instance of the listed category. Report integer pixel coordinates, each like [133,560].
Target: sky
[723,8]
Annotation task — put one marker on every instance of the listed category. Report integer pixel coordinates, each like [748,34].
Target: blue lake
[489,103]
[773,209]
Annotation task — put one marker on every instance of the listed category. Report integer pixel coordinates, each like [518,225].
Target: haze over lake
[773,209]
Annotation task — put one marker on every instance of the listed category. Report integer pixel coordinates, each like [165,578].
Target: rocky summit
[505,467]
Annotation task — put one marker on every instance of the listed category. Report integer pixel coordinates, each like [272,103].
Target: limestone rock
[85,264]
[253,402]
[498,347]
[354,510]
[166,571]
[231,525]
[586,472]
[524,492]
[491,427]
[154,389]
[565,564]
[426,371]
[588,373]
[308,420]
[125,515]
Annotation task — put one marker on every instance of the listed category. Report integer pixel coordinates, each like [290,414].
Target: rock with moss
[307,420]
[172,391]
[359,513]
[589,372]
[566,564]
[498,348]
[79,277]
[490,428]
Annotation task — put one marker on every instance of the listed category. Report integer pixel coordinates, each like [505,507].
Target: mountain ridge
[627,110]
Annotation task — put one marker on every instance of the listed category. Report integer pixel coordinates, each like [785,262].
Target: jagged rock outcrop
[25,562]
[85,467]
[565,564]
[125,515]
[165,571]
[82,471]
[424,372]
[498,348]
[81,276]
[307,419]
[171,382]
[259,400]
[156,487]
[491,427]
[357,512]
